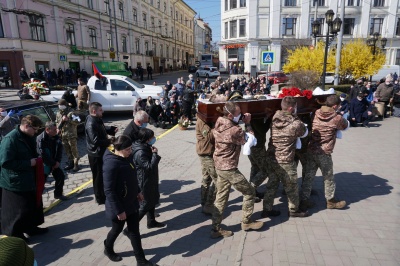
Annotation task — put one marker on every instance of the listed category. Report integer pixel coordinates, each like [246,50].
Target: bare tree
[305,79]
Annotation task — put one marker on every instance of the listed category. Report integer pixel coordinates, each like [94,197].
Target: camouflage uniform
[208,181]
[69,133]
[322,142]
[285,130]
[287,174]
[227,178]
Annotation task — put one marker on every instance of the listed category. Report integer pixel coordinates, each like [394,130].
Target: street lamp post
[372,43]
[333,29]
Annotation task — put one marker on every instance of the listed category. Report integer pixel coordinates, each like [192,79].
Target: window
[1,29]
[398,57]
[151,2]
[161,51]
[158,4]
[144,21]
[397,27]
[348,26]
[152,24]
[226,30]
[165,7]
[321,29]
[167,52]
[353,2]
[109,42]
[242,28]
[107,6]
[146,47]
[124,45]
[90,4]
[173,52]
[233,28]
[154,49]
[119,85]
[290,3]
[242,3]
[166,29]
[137,46]
[176,15]
[92,38]
[121,10]
[186,38]
[226,5]
[376,25]
[289,27]
[379,2]
[159,26]
[70,34]
[233,4]
[37,28]
[134,15]
[181,19]
[178,53]
[171,11]
[320,2]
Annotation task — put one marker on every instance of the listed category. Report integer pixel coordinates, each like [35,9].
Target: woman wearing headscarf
[122,198]
[146,161]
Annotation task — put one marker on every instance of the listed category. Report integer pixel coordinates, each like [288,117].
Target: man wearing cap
[343,106]
[83,95]
[66,128]
[384,93]
[360,111]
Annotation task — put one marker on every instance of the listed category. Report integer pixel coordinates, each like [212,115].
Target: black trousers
[151,216]
[59,177]
[96,165]
[132,222]
[187,109]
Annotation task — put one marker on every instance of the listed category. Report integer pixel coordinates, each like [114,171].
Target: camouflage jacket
[285,130]
[325,125]
[229,137]
[205,138]
[68,128]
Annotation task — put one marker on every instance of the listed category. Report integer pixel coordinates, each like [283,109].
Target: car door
[120,95]
[100,94]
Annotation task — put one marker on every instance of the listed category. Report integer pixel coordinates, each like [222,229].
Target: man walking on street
[323,138]
[49,147]
[83,95]
[229,137]
[96,143]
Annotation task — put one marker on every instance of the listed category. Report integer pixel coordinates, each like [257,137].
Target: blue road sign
[267,57]
[62,58]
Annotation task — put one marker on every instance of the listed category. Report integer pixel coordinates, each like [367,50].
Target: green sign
[74,50]
[62,57]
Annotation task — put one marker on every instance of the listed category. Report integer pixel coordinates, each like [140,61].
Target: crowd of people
[53,77]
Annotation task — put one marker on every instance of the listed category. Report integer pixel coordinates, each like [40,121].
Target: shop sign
[235,46]
[74,50]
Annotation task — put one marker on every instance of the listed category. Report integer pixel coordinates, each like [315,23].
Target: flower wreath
[295,92]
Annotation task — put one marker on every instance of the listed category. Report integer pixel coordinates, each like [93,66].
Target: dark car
[192,69]
[45,110]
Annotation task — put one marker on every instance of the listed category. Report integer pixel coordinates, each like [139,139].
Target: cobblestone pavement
[366,233]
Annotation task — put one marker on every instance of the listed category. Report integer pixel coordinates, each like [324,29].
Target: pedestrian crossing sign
[267,57]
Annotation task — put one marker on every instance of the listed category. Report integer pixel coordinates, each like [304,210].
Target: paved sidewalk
[366,233]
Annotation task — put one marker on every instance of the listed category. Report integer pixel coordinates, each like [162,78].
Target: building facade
[203,38]
[57,34]
[251,26]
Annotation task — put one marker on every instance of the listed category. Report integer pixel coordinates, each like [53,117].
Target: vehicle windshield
[137,85]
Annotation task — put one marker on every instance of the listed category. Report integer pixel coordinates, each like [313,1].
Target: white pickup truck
[115,93]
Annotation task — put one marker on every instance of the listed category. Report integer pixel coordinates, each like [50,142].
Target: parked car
[192,69]
[329,78]
[45,110]
[114,92]
[277,77]
[208,72]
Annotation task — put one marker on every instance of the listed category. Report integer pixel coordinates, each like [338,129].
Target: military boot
[69,165]
[335,204]
[252,225]
[76,168]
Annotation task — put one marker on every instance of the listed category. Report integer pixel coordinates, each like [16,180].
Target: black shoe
[101,201]
[109,252]
[271,213]
[155,224]
[299,213]
[37,231]
[259,195]
[62,197]
[69,165]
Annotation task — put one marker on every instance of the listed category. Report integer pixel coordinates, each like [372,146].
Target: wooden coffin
[258,108]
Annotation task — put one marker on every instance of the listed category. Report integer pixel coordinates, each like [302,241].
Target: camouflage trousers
[225,180]
[208,180]
[287,174]
[70,147]
[82,105]
[325,163]
[302,158]
[259,166]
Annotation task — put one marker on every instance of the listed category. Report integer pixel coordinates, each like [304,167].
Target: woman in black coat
[146,160]
[122,198]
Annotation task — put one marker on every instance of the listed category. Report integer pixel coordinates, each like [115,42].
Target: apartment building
[203,38]
[60,34]
[252,26]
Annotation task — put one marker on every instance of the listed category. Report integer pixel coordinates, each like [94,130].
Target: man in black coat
[360,111]
[188,100]
[49,147]
[149,72]
[140,120]
[96,143]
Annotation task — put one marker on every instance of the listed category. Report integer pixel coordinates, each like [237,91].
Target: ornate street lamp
[333,29]
[372,43]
